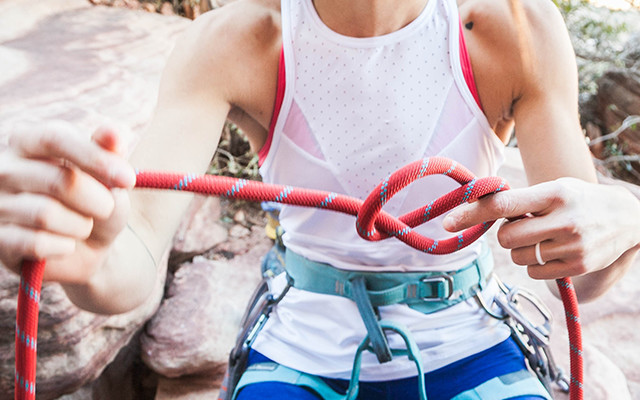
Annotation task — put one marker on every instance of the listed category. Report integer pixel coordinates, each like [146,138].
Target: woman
[336,95]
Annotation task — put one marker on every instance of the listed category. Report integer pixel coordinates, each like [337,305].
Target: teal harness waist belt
[426,292]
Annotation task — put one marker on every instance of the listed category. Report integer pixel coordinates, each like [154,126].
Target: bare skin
[576,237]
[227,66]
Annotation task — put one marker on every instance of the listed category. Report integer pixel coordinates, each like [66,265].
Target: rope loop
[374,224]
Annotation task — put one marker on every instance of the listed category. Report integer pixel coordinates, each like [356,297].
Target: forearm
[124,281]
[633,189]
[625,198]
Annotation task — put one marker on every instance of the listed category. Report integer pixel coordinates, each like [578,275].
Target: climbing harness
[276,372]
[426,292]
[371,223]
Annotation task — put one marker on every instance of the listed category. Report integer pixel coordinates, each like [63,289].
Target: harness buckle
[443,288]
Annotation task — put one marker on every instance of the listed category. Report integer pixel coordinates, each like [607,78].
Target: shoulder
[518,30]
[224,46]
[243,22]
[502,16]
[517,47]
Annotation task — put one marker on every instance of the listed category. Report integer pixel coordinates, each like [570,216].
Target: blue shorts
[442,384]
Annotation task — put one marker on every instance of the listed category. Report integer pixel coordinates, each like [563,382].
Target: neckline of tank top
[373,41]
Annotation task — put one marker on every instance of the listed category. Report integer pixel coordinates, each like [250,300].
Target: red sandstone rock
[200,229]
[196,325]
[86,65]
[618,97]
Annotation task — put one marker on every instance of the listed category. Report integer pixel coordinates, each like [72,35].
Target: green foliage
[598,35]
[234,156]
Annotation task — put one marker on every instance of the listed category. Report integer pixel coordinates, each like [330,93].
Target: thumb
[508,204]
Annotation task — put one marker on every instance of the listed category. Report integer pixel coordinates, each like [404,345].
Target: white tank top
[355,110]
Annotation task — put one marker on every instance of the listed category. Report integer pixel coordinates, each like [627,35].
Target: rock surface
[65,59]
[200,229]
[617,98]
[197,323]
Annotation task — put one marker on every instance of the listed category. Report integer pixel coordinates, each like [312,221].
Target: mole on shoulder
[469,25]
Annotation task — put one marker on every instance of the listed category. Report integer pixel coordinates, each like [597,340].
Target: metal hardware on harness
[486,307]
[446,281]
[532,339]
[256,315]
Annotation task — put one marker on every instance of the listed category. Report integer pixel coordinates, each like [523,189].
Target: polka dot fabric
[370,105]
[357,109]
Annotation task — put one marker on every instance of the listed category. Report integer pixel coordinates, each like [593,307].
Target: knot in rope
[374,224]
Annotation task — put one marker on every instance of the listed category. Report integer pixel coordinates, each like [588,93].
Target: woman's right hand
[62,198]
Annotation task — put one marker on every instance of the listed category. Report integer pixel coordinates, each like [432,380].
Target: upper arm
[546,116]
[203,79]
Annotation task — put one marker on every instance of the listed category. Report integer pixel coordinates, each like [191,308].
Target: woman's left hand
[580,227]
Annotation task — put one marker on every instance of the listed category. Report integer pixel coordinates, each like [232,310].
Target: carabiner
[533,339]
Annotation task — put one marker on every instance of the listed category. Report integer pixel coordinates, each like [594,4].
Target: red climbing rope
[27,329]
[371,223]
[570,302]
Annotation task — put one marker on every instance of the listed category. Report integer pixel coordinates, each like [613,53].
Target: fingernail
[123,176]
[449,223]
[128,177]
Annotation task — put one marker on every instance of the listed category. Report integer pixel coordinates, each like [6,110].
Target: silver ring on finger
[539,254]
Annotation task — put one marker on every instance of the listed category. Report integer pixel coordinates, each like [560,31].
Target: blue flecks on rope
[236,188]
[30,291]
[184,182]
[26,339]
[452,168]
[468,191]
[363,232]
[433,247]
[426,216]
[402,232]
[383,192]
[327,200]
[423,168]
[567,285]
[576,382]
[283,195]
[575,349]
[26,385]
[572,317]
